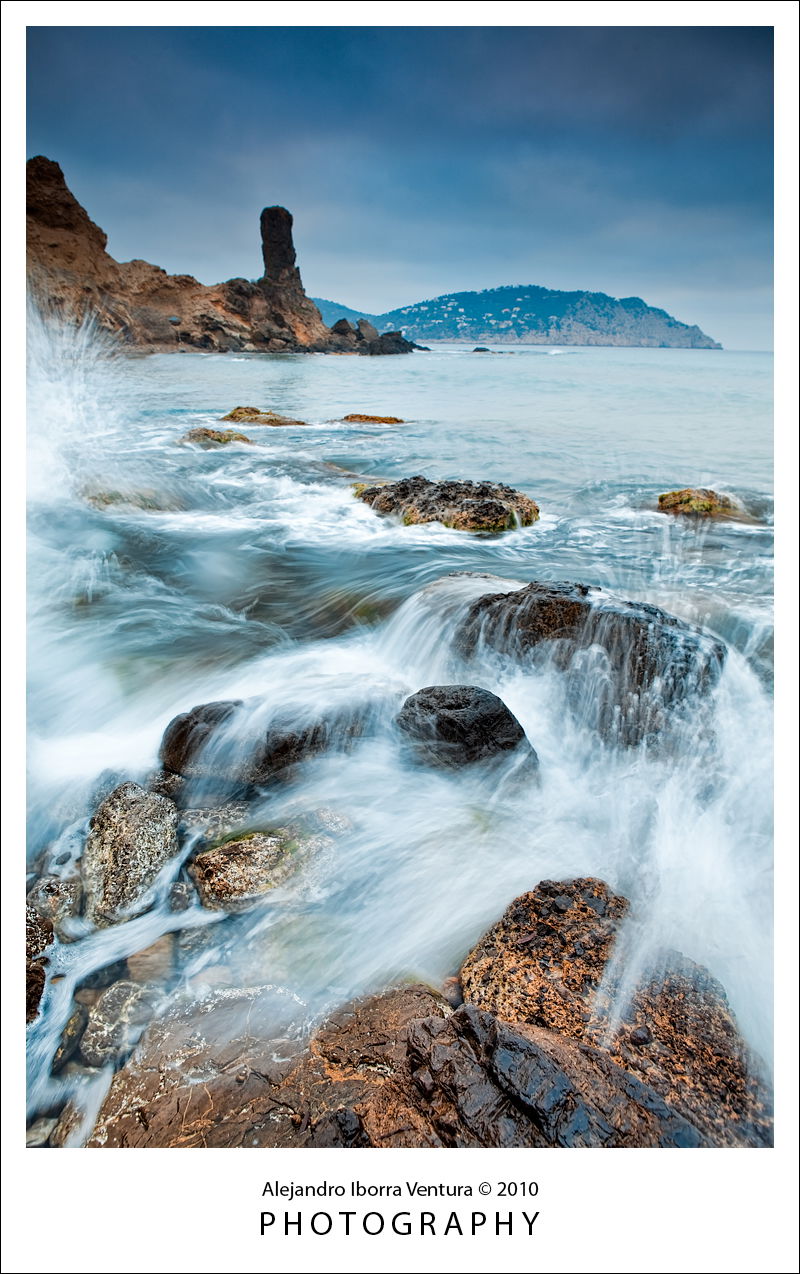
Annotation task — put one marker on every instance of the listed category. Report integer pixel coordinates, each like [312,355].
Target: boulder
[255,416]
[465,506]
[699,502]
[236,874]
[548,963]
[452,726]
[132,835]
[194,743]
[388,343]
[629,663]
[481,349]
[207,438]
[343,327]
[70,1037]
[115,1021]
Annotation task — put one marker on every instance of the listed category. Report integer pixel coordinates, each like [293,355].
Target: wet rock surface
[132,835]
[56,898]
[34,988]
[452,726]
[207,438]
[255,416]
[356,417]
[629,662]
[527,1060]
[193,743]
[115,1021]
[463,506]
[237,874]
[699,502]
[549,963]
[38,932]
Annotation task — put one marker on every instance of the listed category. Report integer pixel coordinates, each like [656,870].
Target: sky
[424,160]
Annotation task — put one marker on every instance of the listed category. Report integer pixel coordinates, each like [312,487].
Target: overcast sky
[416,161]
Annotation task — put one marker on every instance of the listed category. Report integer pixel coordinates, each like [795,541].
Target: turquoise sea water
[253,572]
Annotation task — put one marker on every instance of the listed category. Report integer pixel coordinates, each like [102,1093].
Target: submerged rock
[356,417]
[699,502]
[548,962]
[451,726]
[255,416]
[236,874]
[115,1021]
[132,835]
[148,500]
[214,437]
[628,662]
[464,506]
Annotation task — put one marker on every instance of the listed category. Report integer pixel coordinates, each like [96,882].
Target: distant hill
[529,315]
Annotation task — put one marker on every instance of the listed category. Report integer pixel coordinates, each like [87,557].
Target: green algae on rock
[699,502]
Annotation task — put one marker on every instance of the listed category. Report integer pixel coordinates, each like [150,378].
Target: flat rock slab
[464,506]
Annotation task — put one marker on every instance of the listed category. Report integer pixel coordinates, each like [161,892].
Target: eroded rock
[38,932]
[357,417]
[56,898]
[452,726]
[464,506]
[132,835]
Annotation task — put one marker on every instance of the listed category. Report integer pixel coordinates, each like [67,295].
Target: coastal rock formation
[132,835]
[699,502]
[464,506]
[71,273]
[452,726]
[357,418]
[639,661]
[527,1060]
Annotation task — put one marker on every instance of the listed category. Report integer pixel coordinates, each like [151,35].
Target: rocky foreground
[528,1058]
[539,1040]
[71,273]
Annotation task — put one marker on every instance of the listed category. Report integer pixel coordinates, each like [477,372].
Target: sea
[162,576]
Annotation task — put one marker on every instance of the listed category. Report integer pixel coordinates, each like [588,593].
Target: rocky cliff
[70,272]
[529,315]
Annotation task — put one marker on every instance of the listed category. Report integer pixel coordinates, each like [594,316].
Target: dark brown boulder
[548,962]
[464,506]
[34,988]
[452,726]
[193,744]
[650,661]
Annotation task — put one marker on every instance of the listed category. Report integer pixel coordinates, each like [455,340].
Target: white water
[258,576]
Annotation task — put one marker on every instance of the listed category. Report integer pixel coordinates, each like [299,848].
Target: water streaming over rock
[163,576]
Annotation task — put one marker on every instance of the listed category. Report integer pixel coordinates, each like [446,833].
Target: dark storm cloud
[422,160]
